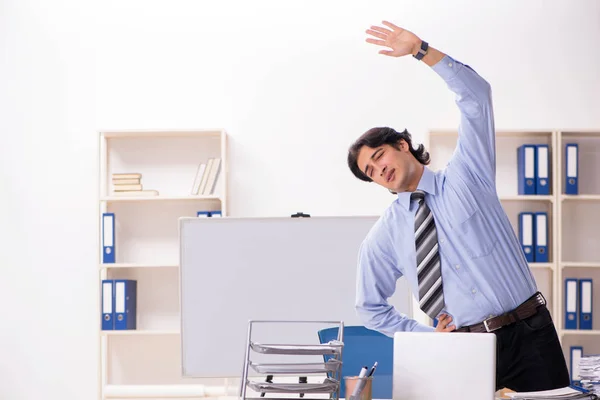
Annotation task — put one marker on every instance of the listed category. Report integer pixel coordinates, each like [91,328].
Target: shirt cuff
[447,67]
[422,328]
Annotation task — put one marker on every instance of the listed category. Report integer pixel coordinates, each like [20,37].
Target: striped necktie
[429,267]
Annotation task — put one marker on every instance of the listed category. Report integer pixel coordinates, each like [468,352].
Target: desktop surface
[451,365]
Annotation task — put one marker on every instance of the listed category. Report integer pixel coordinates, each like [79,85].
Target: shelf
[579,332]
[541,265]
[166,133]
[141,332]
[158,198]
[580,133]
[580,197]
[579,265]
[147,251]
[527,198]
[125,265]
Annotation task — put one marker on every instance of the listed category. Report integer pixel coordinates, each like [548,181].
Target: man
[448,234]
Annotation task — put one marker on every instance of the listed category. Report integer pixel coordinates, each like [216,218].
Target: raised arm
[475,155]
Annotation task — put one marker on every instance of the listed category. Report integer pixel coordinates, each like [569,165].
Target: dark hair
[379,136]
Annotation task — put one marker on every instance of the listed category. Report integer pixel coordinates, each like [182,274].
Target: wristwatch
[422,50]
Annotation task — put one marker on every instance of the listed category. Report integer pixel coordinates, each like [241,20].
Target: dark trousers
[529,356]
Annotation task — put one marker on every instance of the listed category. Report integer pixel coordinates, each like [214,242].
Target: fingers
[394,27]
[377,34]
[443,317]
[382,30]
[444,321]
[386,52]
[376,41]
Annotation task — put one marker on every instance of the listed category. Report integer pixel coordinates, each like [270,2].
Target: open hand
[401,41]
[444,324]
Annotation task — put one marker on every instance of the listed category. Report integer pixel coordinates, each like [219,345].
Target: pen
[359,384]
[373,369]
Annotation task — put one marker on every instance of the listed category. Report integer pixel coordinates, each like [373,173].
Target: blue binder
[576,354]
[526,234]
[108,305]
[526,169]
[572,168]
[208,214]
[571,300]
[108,238]
[542,181]
[541,237]
[125,304]
[585,304]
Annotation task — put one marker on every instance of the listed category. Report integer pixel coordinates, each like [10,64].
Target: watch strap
[422,50]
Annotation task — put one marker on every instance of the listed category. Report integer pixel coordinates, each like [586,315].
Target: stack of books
[206,177]
[130,184]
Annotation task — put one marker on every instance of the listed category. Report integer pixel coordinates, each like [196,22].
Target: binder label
[541,230]
[529,165]
[543,162]
[572,162]
[120,297]
[108,231]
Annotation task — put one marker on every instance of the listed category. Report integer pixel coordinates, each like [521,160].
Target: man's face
[387,166]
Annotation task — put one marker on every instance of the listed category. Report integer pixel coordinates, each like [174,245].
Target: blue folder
[586,303]
[542,181]
[125,304]
[108,238]
[108,305]
[572,168]
[571,303]
[527,234]
[541,237]
[526,169]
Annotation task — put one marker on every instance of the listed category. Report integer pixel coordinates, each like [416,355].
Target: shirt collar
[426,184]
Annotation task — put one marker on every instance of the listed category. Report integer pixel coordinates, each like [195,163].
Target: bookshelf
[580,253]
[145,362]
[572,219]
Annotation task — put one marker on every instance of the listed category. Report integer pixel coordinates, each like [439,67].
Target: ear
[403,145]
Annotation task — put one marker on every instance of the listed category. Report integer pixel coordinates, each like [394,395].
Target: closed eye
[375,156]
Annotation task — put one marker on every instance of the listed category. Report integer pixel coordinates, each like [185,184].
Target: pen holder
[359,388]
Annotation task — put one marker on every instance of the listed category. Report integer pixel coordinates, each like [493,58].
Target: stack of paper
[589,373]
[566,393]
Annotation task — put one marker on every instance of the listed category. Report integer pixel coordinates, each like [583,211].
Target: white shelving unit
[146,362]
[573,219]
[578,227]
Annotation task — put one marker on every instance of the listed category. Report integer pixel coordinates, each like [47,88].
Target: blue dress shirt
[484,270]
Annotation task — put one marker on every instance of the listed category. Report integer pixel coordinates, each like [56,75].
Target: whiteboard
[233,270]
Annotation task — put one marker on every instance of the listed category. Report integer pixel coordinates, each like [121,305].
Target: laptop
[444,365]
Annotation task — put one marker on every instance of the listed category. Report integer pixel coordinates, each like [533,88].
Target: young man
[448,234]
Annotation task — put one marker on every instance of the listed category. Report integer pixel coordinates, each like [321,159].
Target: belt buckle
[485,324]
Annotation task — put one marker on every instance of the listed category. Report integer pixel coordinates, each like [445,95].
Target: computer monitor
[444,365]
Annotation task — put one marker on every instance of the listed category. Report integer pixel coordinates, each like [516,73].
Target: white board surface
[233,270]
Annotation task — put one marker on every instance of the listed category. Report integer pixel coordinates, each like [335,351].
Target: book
[127,175]
[212,176]
[125,188]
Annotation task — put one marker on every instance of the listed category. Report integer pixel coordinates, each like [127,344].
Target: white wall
[294,84]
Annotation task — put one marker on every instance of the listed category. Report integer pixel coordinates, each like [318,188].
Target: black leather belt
[525,310]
